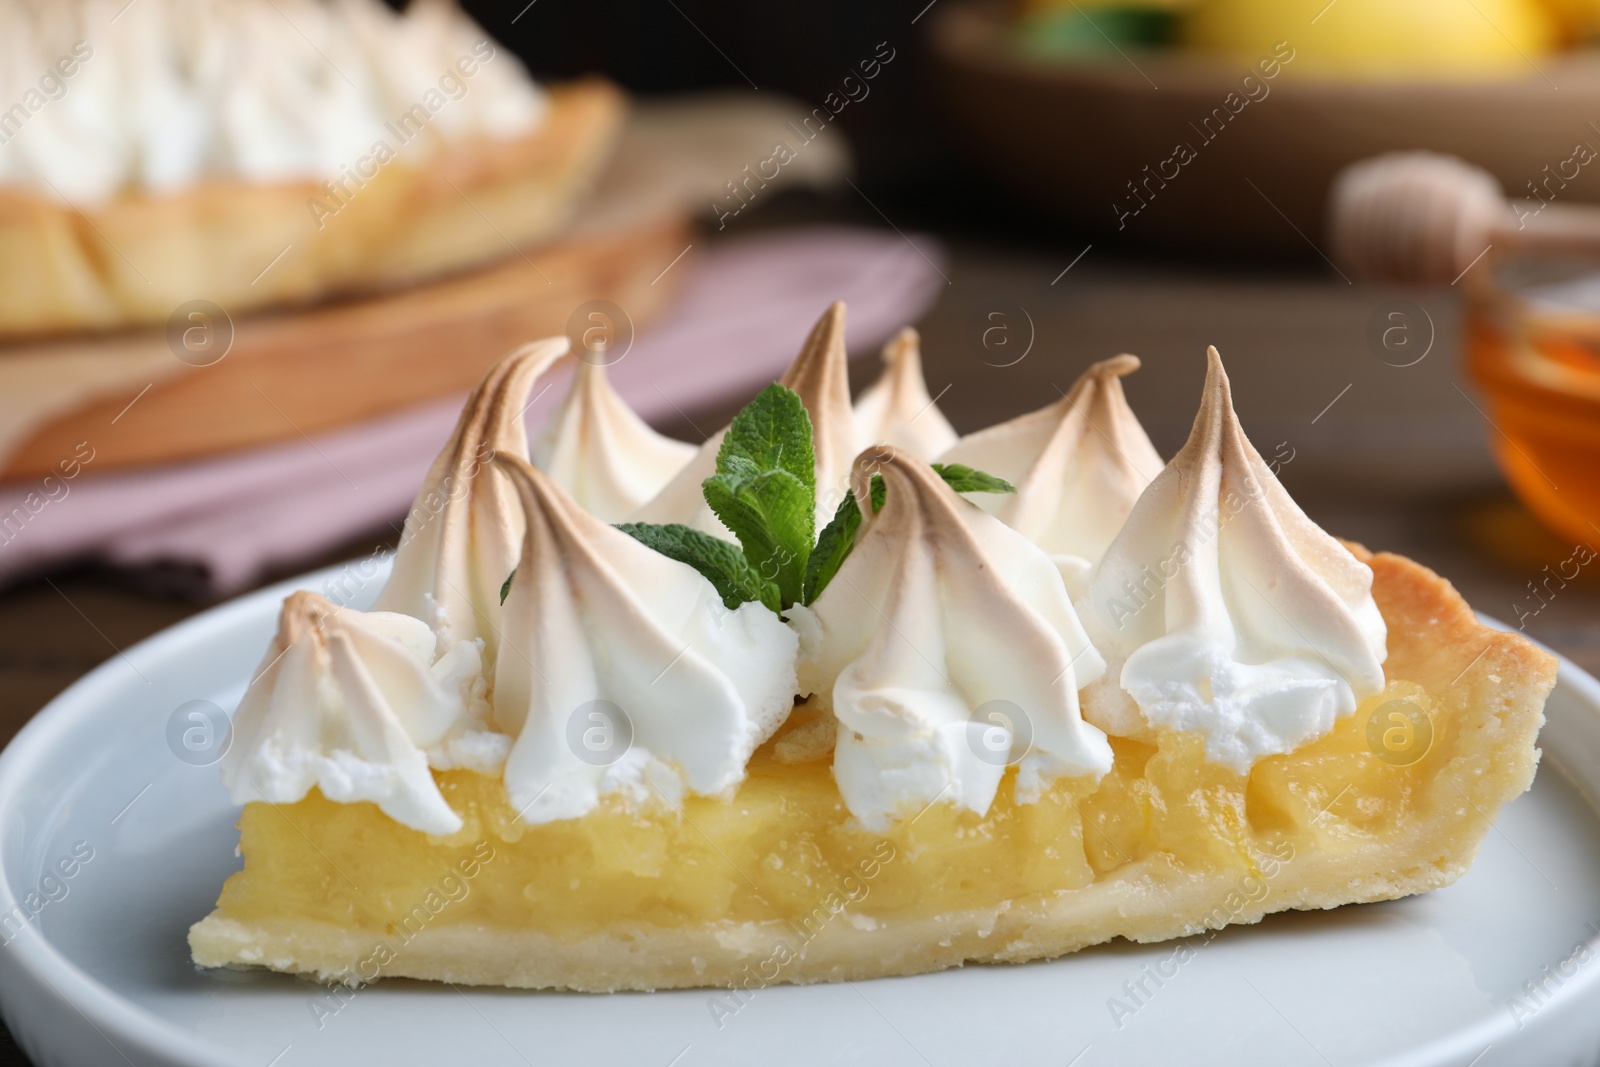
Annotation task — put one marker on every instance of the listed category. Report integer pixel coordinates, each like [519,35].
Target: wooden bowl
[1075,137]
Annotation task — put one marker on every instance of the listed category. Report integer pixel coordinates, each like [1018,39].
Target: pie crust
[1487,690]
[246,246]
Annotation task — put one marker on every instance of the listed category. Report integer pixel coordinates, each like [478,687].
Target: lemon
[1383,38]
[1579,19]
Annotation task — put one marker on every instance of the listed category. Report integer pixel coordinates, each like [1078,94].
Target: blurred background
[222,363]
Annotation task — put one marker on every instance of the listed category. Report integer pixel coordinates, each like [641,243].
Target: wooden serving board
[291,375]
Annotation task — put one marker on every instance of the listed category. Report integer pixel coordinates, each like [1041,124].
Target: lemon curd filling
[784,848]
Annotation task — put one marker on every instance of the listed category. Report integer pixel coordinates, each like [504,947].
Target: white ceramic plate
[99,972]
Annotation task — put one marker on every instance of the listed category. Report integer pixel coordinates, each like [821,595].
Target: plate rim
[31,956]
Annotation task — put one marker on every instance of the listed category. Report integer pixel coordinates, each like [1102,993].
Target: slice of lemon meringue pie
[836,718]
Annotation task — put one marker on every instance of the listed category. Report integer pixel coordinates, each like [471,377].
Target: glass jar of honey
[1533,349]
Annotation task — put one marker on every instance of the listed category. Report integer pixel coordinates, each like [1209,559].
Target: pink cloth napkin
[213,527]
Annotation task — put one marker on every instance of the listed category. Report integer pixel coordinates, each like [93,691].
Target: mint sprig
[966,480]
[723,564]
[765,492]
[834,544]
[765,488]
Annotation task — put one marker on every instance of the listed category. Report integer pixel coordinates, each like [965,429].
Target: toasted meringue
[605,456]
[349,702]
[1078,465]
[940,612]
[1222,609]
[464,533]
[603,634]
[821,376]
[896,410]
[170,92]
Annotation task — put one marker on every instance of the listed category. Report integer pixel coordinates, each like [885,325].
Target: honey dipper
[1422,217]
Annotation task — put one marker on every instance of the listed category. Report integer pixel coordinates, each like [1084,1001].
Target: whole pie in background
[261,153]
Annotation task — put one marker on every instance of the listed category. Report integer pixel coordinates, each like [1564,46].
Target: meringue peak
[897,409]
[938,615]
[604,454]
[1223,609]
[597,624]
[820,376]
[1078,465]
[464,530]
[348,702]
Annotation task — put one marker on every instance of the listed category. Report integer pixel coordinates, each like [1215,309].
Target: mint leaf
[833,545]
[723,564]
[773,432]
[966,480]
[764,490]
[505,588]
[771,513]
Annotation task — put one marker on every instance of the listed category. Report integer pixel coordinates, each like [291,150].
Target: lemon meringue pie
[832,719]
[264,152]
